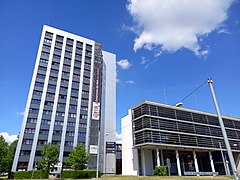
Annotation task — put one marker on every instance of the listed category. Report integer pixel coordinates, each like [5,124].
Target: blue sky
[164,50]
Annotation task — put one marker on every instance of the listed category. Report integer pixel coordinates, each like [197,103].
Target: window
[73,98]
[84,100]
[51,86]
[84,108]
[48,103]
[57,50]
[68,47]
[57,57]
[66,74]
[66,66]
[62,96]
[44,132]
[45,54]
[77,69]
[42,142]
[46,47]
[63,88]
[75,83]
[60,114]
[74,90]
[38,84]
[57,132]
[47,112]
[45,121]
[61,105]
[55,63]
[32,120]
[58,44]
[76,76]
[33,111]
[83,125]
[70,133]
[81,134]
[67,59]
[50,95]
[85,92]
[25,153]
[72,106]
[59,38]
[72,115]
[82,116]
[54,71]
[40,76]
[37,92]
[44,61]
[69,143]
[72,124]
[53,78]
[29,131]
[42,68]
[48,41]
[27,141]
[58,123]
[64,81]
[48,34]
[68,53]
[35,101]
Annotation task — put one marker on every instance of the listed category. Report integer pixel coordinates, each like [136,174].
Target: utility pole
[229,151]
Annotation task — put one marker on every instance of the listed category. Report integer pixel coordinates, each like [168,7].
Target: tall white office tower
[72,95]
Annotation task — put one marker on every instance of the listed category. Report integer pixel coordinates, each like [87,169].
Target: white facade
[129,155]
[80,78]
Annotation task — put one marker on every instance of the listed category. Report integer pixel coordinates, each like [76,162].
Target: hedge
[160,171]
[38,174]
[79,174]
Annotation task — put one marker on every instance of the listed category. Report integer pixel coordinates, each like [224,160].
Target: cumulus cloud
[130,82]
[118,138]
[8,138]
[124,64]
[169,25]
[20,113]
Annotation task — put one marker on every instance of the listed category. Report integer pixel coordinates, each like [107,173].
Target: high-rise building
[189,142]
[72,95]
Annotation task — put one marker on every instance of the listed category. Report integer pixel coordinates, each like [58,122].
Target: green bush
[160,171]
[79,174]
[38,174]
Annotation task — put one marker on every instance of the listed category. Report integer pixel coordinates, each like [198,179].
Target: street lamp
[230,155]
[179,104]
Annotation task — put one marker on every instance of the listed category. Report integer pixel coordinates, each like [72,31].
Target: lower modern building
[189,142]
[72,95]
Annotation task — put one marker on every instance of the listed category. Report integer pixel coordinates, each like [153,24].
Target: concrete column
[195,162]
[211,161]
[158,157]
[143,162]
[162,160]
[178,163]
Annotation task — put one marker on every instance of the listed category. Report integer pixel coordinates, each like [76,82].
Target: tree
[12,149]
[50,155]
[4,155]
[77,158]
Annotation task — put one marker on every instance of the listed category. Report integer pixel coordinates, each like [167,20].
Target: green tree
[77,158]
[50,155]
[4,155]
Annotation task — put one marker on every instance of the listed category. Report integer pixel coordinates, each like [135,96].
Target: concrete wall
[129,155]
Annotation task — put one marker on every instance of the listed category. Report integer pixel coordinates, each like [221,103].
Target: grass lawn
[119,177]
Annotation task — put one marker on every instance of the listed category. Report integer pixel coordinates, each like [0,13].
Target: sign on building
[96,110]
[111,147]
[93,149]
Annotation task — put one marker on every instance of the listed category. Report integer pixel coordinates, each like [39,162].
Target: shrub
[160,171]
[38,174]
[78,174]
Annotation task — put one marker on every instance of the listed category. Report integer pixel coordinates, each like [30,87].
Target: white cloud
[124,64]
[169,25]
[8,138]
[118,138]
[130,82]
[144,60]
[20,113]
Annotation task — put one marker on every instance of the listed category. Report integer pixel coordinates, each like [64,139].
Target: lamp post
[230,155]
